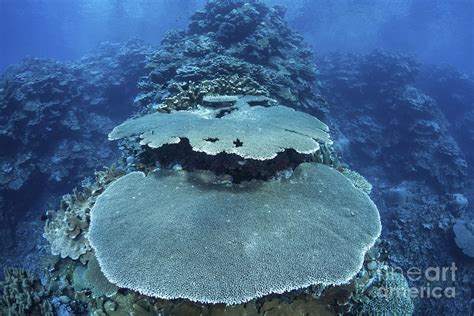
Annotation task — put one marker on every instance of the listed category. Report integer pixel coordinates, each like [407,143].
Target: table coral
[250,132]
[175,235]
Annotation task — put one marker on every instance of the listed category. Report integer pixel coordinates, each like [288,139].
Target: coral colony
[229,197]
[240,226]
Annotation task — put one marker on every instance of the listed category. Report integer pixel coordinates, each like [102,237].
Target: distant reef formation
[233,47]
[408,128]
[54,121]
[389,121]
[454,94]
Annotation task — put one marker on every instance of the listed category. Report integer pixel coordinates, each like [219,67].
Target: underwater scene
[236,157]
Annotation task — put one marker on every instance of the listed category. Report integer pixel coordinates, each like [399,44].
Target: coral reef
[73,106]
[235,38]
[65,228]
[379,112]
[408,132]
[310,225]
[207,226]
[403,141]
[392,296]
[464,236]
[23,294]
[257,133]
[454,93]
[188,95]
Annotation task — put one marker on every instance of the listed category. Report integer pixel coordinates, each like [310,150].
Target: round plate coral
[179,235]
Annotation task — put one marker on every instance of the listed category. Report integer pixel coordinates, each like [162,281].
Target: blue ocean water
[437,31]
[392,81]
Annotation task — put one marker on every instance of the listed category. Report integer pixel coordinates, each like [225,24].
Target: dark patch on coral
[212,140]
[238,143]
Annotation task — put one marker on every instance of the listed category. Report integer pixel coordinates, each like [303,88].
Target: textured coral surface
[179,236]
[257,133]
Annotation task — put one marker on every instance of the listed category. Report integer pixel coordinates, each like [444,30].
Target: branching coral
[65,228]
[189,95]
[23,294]
[178,236]
[358,180]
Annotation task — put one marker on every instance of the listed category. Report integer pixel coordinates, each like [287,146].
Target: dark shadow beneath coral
[222,164]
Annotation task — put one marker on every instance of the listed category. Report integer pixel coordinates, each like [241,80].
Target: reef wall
[405,126]
[232,42]
[54,120]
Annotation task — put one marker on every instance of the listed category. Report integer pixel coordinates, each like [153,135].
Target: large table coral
[179,235]
[250,132]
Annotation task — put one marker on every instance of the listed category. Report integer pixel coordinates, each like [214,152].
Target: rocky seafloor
[404,126]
